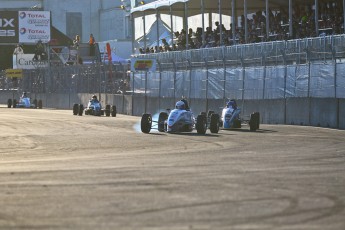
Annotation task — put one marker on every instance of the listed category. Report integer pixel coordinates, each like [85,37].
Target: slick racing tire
[14,103]
[113,111]
[40,104]
[214,124]
[107,110]
[146,123]
[163,116]
[201,124]
[80,109]
[9,103]
[254,121]
[75,109]
[35,103]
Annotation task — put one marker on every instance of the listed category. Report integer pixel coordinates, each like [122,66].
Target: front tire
[146,123]
[14,103]
[80,109]
[9,103]
[163,116]
[75,109]
[113,111]
[201,124]
[214,124]
[107,110]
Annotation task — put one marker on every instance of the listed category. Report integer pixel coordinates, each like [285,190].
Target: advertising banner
[14,73]
[148,65]
[34,26]
[8,27]
[25,26]
[24,61]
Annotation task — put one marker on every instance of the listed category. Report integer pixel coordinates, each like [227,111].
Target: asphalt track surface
[59,171]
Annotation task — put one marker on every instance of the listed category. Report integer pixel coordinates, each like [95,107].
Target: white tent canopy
[194,6]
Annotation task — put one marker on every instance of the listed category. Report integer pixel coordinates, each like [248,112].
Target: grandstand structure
[303,67]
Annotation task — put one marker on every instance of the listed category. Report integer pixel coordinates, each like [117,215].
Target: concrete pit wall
[319,112]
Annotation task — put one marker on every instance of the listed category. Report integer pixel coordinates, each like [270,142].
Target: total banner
[25,26]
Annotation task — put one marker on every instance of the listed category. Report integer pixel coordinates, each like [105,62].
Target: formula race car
[180,119]
[24,102]
[230,118]
[94,108]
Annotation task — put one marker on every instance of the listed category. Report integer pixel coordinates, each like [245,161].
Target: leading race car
[24,102]
[180,119]
[230,118]
[94,107]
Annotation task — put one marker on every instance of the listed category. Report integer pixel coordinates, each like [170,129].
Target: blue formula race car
[180,119]
[24,102]
[94,107]
[230,118]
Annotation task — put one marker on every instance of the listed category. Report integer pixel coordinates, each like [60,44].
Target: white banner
[24,61]
[34,26]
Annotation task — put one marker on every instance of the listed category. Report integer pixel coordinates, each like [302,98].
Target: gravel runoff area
[59,171]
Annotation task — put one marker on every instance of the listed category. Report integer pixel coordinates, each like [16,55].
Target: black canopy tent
[233,8]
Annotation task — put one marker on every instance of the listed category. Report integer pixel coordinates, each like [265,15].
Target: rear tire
[163,116]
[80,109]
[9,103]
[14,103]
[113,111]
[258,120]
[254,121]
[214,124]
[40,104]
[146,123]
[35,103]
[201,124]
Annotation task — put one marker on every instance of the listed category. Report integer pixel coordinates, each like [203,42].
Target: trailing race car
[230,118]
[24,102]
[94,107]
[180,119]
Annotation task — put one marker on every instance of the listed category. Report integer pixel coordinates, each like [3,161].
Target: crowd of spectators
[330,22]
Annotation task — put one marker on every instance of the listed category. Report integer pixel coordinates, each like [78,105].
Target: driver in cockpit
[182,104]
[232,104]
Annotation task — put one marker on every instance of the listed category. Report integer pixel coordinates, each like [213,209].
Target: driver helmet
[24,94]
[94,97]
[180,105]
[231,104]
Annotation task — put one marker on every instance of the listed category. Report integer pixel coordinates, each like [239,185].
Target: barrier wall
[323,112]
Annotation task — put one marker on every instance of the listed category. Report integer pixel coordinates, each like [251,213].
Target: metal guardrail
[269,53]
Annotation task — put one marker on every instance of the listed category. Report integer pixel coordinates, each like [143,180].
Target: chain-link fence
[91,78]
[312,67]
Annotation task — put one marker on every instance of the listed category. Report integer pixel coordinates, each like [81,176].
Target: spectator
[18,50]
[92,43]
[39,52]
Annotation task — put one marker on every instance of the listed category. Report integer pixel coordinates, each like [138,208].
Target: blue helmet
[180,105]
[231,104]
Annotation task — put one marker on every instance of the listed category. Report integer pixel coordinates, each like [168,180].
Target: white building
[105,19]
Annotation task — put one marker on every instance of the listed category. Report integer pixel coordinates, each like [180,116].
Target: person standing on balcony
[92,43]
[18,50]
